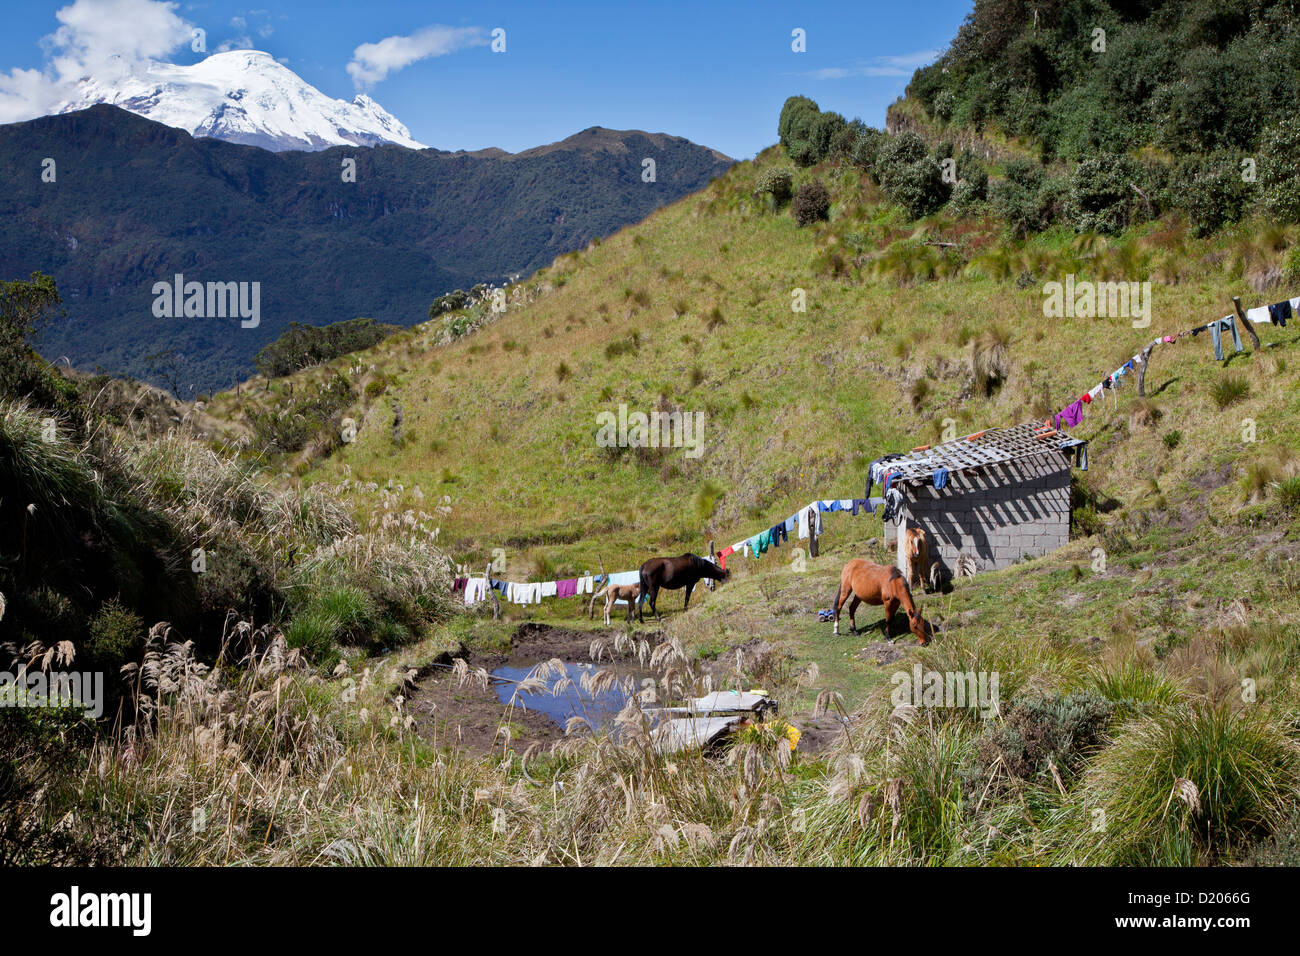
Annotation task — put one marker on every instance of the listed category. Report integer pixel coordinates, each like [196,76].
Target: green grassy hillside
[692,309]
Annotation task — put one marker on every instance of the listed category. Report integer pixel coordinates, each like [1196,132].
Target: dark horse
[683,571]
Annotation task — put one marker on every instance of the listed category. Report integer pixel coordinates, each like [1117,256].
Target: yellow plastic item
[792,734]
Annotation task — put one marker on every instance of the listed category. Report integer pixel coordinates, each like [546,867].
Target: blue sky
[714,73]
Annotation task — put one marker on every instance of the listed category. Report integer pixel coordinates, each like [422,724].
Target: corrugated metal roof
[993,446]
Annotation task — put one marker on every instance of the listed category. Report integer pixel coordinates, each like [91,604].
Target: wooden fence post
[812,516]
[713,556]
[594,590]
[1142,373]
[1250,326]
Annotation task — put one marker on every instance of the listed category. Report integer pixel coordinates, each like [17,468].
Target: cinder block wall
[1000,513]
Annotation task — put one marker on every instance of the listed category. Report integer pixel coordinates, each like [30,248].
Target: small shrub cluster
[811,203]
[777,183]
[302,346]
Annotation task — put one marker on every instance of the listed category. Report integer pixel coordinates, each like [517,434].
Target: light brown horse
[917,548]
[613,593]
[878,584]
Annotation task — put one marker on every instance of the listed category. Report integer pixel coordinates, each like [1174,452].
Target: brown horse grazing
[684,571]
[878,584]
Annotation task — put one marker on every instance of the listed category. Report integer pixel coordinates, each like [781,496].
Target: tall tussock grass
[1183,786]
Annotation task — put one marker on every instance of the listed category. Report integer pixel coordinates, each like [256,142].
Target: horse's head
[919,626]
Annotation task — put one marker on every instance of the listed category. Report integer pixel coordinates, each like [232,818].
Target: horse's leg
[891,605]
[853,609]
[689,588]
[839,602]
[654,601]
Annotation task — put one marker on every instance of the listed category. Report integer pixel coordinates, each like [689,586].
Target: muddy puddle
[468,715]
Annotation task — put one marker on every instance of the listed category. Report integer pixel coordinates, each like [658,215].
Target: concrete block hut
[1007,495]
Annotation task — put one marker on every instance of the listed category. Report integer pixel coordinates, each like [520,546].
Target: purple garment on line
[567,588]
[1071,415]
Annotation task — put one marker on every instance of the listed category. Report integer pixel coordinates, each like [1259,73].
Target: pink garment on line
[1071,415]
[567,588]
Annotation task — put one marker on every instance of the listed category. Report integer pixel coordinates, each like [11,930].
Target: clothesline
[534,592]
[1277,314]
[804,521]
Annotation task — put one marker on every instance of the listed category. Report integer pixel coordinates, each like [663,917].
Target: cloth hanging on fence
[475,590]
[1279,312]
[1070,416]
[585,584]
[458,585]
[876,472]
[1078,450]
[567,588]
[791,523]
[722,556]
[893,504]
[1217,328]
[810,517]
[779,534]
[624,578]
[940,477]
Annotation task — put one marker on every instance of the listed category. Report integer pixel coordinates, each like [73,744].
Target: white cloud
[99,38]
[244,42]
[372,62]
[902,65]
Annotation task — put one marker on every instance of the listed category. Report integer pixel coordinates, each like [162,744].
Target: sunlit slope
[692,309]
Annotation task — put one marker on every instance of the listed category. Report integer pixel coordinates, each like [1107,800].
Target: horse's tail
[644,584]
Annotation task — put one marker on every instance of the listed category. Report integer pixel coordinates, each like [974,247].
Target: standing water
[576,697]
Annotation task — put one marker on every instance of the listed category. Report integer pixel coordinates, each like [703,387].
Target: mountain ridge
[414,224]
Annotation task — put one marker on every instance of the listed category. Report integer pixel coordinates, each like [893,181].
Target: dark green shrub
[811,203]
[1024,199]
[448,303]
[795,128]
[909,177]
[1279,170]
[1102,198]
[301,346]
[115,633]
[1046,731]
[866,148]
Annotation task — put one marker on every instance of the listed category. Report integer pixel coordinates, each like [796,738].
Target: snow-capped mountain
[243,96]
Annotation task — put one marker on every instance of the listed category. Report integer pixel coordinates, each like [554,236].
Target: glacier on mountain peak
[243,96]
